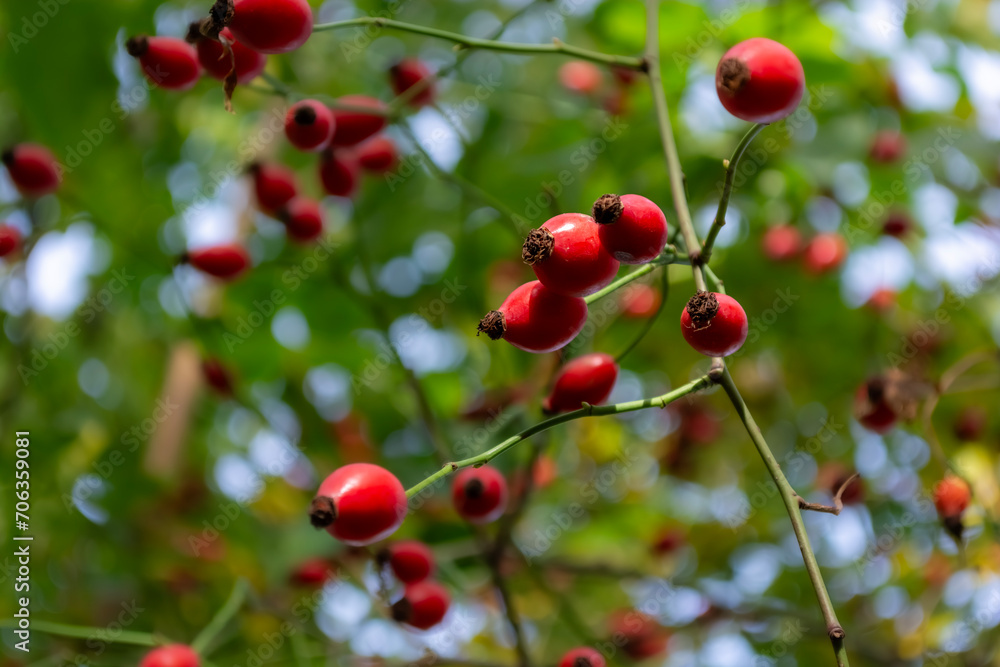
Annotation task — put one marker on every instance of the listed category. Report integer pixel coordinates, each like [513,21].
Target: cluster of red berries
[35,173]
[584,78]
[424,602]
[822,254]
[574,255]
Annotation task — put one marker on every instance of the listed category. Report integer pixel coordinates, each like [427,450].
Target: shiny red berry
[32,168]
[274,186]
[359,504]
[339,172]
[309,125]
[171,655]
[354,126]
[422,606]
[272,26]
[377,155]
[479,494]
[951,496]
[824,253]
[586,379]
[409,72]
[583,656]
[213,58]
[781,243]
[578,76]
[217,377]
[303,218]
[887,146]
[226,261]
[568,257]
[760,81]
[411,561]
[168,62]
[632,228]
[312,573]
[10,240]
[536,319]
[714,324]
[871,408]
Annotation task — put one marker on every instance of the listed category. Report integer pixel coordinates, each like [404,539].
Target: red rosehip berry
[377,155]
[339,172]
[312,573]
[171,655]
[273,184]
[353,126]
[640,301]
[578,76]
[824,253]
[411,561]
[760,81]
[10,240]
[479,494]
[568,257]
[585,379]
[359,504]
[168,62]
[272,26]
[32,168]
[309,125]
[714,324]
[303,218]
[536,319]
[781,243]
[213,59]
[887,146]
[632,228]
[951,496]
[583,656]
[217,377]
[643,637]
[226,261]
[408,73]
[897,225]
[871,409]
[422,606]
[970,423]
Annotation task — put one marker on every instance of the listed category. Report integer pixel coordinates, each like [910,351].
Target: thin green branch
[99,634]
[727,191]
[222,617]
[668,256]
[586,411]
[716,281]
[465,41]
[667,138]
[648,326]
[791,501]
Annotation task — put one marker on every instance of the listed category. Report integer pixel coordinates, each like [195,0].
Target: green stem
[720,286]
[100,634]
[669,256]
[492,45]
[727,191]
[586,411]
[791,501]
[652,60]
[223,616]
[647,327]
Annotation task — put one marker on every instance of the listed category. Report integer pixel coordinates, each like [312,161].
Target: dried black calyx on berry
[305,115]
[954,526]
[582,662]
[493,325]
[733,74]
[218,18]
[701,308]
[7,157]
[402,610]
[137,46]
[537,246]
[322,512]
[474,488]
[608,209]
